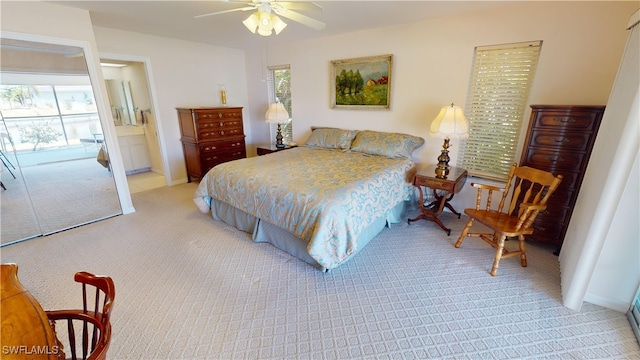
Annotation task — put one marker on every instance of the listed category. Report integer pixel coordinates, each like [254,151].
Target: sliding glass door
[56,171]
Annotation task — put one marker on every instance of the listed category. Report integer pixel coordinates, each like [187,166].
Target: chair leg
[523,256]
[464,233]
[498,256]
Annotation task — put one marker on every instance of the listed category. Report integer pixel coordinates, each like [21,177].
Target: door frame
[154,104]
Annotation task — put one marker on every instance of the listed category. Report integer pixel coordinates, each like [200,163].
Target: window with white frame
[279,84]
[498,91]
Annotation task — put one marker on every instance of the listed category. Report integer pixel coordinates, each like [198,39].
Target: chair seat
[507,225]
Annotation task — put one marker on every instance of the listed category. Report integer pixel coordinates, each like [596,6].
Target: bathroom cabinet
[135,154]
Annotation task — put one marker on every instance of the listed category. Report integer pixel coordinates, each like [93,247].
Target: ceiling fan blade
[303,5]
[302,19]
[247,8]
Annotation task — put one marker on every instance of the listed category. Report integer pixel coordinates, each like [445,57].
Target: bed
[321,202]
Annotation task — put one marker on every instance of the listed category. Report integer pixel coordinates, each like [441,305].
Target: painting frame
[371,88]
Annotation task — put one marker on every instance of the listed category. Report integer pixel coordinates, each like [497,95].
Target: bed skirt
[263,231]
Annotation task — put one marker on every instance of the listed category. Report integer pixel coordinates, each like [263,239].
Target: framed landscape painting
[361,83]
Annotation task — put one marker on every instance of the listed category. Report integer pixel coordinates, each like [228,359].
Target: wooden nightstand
[451,184]
[264,150]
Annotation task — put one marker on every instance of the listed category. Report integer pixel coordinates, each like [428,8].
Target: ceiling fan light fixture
[265,24]
[252,22]
[278,24]
[264,31]
[265,19]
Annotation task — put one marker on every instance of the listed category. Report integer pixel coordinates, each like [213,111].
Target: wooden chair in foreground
[92,322]
[531,190]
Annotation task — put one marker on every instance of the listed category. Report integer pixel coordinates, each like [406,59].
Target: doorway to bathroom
[131,103]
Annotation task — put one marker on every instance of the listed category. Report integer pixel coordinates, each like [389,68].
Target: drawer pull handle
[222,132]
[221,123]
[564,120]
[558,159]
[562,140]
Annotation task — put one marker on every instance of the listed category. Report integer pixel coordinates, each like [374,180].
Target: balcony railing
[30,133]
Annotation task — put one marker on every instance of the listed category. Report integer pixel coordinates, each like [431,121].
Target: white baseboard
[607,302]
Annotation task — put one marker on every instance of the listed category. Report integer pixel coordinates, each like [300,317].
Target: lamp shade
[450,123]
[278,24]
[276,114]
[252,22]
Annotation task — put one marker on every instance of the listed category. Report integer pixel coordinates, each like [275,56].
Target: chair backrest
[103,297]
[531,190]
[93,321]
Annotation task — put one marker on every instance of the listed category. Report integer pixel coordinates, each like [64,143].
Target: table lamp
[450,123]
[277,114]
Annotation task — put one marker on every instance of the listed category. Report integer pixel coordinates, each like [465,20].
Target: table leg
[448,205]
[430,212]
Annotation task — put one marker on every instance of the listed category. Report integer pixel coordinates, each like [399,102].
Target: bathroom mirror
[121,101]
[56,171]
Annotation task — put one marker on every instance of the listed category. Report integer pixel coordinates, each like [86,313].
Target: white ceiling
[175,19]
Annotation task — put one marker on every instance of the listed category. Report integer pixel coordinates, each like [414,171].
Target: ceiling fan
[264,20]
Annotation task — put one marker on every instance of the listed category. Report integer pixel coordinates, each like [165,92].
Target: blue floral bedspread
[325,197]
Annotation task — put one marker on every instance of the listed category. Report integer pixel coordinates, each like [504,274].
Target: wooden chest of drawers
[559,140]
[210,136]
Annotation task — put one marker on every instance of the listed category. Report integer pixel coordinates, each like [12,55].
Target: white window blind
[279,87]
[498,91]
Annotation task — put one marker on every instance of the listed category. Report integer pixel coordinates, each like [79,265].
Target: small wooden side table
[450,184]
[264,150]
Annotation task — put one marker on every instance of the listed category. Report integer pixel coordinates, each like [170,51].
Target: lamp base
[279,143]
[442,169]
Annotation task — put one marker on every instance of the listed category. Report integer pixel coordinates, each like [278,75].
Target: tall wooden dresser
[560,140]
[210,136]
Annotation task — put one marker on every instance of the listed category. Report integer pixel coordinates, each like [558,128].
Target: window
[498,91]
[38,117]
[279,84]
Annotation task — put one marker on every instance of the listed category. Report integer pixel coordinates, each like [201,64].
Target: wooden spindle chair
[93,321]
[531,190]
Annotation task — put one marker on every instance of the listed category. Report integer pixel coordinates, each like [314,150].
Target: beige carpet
[192,288]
